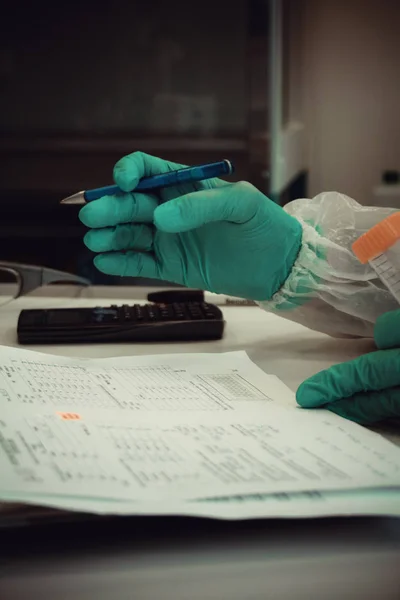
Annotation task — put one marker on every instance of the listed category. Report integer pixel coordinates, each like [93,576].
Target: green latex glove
[216,236]
[367,389]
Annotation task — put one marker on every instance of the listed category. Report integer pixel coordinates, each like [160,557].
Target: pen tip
[74,199]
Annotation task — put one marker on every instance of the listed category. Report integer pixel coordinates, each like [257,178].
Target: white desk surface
[280,347]
[187,559]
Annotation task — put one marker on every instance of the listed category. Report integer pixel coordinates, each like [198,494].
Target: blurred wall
[289,148]
[131,66]
[100,80]
[352,93]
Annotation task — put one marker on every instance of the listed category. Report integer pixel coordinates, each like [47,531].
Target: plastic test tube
[380,247]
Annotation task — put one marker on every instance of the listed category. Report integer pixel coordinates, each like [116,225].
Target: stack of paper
[195,434]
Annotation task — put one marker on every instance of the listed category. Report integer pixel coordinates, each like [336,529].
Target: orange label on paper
[66,416]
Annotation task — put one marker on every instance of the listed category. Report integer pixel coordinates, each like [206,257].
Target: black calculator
[178,321]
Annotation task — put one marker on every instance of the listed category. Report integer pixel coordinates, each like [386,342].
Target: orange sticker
[66,416]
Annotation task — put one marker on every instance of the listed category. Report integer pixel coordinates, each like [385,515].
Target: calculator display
[65,317]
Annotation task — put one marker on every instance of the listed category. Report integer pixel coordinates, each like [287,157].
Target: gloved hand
[216,236]
[367,389]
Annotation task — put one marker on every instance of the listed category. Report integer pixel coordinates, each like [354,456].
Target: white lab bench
[193,559]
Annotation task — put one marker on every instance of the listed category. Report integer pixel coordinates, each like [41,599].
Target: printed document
[171,430]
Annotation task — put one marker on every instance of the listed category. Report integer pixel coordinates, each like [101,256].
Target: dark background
[84,83]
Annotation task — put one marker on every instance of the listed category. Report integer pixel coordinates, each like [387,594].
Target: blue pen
[186,175]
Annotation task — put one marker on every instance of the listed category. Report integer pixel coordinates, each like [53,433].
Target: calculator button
[103,315]
[126,313]
[195,314]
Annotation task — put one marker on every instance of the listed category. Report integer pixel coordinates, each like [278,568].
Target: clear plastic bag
[328,289]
